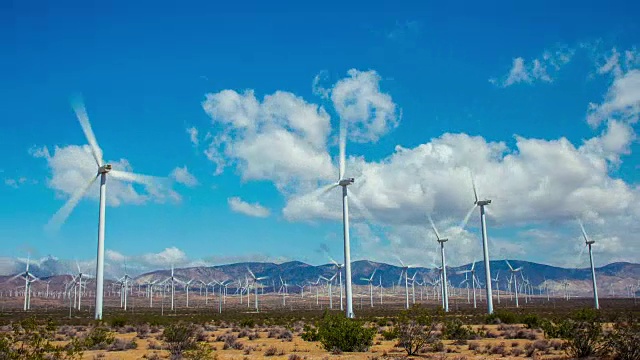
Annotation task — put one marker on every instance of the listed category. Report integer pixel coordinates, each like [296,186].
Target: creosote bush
[338,332]
[416,329]
[179,338]
[30,340]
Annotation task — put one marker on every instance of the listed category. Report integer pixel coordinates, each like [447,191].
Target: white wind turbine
[514,277]
[405,271]
[329,281]
[441,241]
[474,281]
[344,182]
[588,242]
[339,267]
[28,279]
[173,280]
[255,282]
[485,246]
[370,281]
[79,278]
[102,171]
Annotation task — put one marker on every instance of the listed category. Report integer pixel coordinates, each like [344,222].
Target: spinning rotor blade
[61,215]
[433,226]
[343,145]
[83,118]
[136,178]
[464,222]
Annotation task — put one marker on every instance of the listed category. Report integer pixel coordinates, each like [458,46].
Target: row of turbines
[105,170]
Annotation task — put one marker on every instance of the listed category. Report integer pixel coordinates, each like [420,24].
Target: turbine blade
[433,226]
[584,233]
[83,118]
[343,145]
[464,222]
[137,178]
[580,255]
[251,272]
[363,209]
[473,183]
[78,265]
[61,215]
[508,264]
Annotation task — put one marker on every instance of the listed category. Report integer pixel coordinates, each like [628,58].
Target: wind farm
[240,181]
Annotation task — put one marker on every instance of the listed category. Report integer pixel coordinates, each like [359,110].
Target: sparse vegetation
[338,332]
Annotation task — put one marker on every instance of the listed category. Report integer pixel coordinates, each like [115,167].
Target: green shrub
[179,338]
[98,338]
[390,334]
[247,322]
[415,330]
[201,351]
[454,329]
[29,340]
[118,321]
[624,341]
[583,333]
[502,317]
[310,334]
[531,321]
[338,332]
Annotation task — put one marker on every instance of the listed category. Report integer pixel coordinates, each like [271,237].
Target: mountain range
[612,278]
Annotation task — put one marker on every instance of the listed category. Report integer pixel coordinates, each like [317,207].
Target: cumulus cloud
[15,183]
[280,138]
[369,113]
[534,182]
[73,166]
[622,100]
[240,206]
[183,176]
[538,69]
[193,136]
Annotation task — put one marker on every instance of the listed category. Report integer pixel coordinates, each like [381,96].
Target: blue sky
[146,70]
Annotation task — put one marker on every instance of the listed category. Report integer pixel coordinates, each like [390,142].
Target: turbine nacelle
[443,240]
[104,169]
[589,242]
[483,202]
[346,182]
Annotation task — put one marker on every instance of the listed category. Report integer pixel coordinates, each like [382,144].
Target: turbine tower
[28,279]
[441,241]
[339,267]
[102,171]
[370,281]
[588,242]
[485,246]
[514,277]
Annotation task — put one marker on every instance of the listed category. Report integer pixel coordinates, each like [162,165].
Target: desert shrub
[624,341]
[253,335]
[516,351]
[273,351]
[243,333]
[118,321]
[154,345]
[201,351]
[558,330]
[390,334]
[501,317]
[295,357]
[247,322]
[415,330]
[310,334]
[29,340]
[123,345]
[585,337]
[499,349]
[473,346]
[98,338]
[454,329]
[337,331]
[542,345]
[531,321]
[142,331]
[179,338]
[285,335]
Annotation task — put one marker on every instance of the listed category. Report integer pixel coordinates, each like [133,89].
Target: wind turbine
[485,246]
[497,285]
[405,271]
[370,281]
[329,281]
[339,267]
[255,281]
[79,277]
[344,182]
[474,282]
[441,241]
[102,171]
[514,277]
[28,279]
[173,280]
[588,242]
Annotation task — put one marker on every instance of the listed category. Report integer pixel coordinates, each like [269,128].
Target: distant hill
[614,278]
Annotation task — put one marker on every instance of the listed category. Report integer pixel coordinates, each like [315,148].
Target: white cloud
[282,138]
[73,166]
[523,71]
[369,113]
[240,206]
[15,183]
[622,100]
[183,176]
[169,256]
[112,255]
[193,136]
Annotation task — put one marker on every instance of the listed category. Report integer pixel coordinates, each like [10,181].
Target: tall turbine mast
[441,241]
[102,170]
[588,242]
